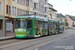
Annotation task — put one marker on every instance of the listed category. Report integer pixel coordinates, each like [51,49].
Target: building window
[15,11]
[19,1]
[22,12]
[25,2]
[34,13]
[22,1]
[0,6]
[45,9]
[45,1]
[28,2]
[19,12]
[9,9]
[12,9]
[34,5]
[15,0]
[31,12]
[25,12]
[44,15]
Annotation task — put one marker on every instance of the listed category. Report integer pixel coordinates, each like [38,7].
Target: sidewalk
[8,37]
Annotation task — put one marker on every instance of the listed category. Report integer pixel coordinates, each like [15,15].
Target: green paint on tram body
[28,26]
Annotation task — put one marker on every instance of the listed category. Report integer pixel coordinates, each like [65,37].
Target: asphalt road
[57,42]
[64,44]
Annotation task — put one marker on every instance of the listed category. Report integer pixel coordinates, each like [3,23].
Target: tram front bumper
[21,36]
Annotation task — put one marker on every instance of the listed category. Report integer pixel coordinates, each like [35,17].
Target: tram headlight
[24,30]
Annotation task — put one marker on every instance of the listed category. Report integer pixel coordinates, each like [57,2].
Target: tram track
[12,40]
[45,42]
[19,40]
[25,41]
[32,42]
[54,40]
[9,42]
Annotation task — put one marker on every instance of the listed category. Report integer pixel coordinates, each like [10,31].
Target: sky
[64,6]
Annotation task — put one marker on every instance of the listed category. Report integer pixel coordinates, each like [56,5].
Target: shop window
[0,24]
[8,25]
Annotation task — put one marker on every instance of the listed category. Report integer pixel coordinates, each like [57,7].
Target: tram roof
[61,21]
[30,15]
[40,17]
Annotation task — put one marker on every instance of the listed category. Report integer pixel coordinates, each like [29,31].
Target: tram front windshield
[21,23]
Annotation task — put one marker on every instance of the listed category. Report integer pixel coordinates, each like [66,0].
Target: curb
[6,38]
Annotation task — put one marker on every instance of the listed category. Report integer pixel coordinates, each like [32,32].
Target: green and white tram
[31,26]
[28,26]
[61,26]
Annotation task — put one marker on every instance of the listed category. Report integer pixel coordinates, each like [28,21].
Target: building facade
[51,12]
[70,20]
[40,7]
[9,9]
[61,17]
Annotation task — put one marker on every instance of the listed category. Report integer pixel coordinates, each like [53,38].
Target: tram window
[36,24]
[29,27]
[40,25]
[21,23]
[45,25]
[50,25]
[56,26]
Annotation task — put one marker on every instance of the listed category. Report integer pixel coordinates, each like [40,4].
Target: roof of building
[72,17]
[50,4]
[60,15]
[53,9]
